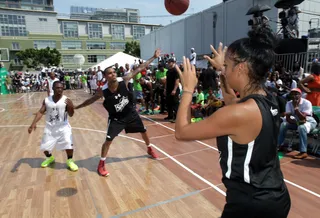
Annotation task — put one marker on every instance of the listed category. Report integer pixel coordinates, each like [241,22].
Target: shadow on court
[90,164]
[314,163]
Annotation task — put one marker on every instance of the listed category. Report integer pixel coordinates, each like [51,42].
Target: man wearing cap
[193,57]
[172,90]
[298,116]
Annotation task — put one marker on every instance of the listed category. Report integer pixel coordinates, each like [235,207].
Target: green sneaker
[47,162]
[72,165]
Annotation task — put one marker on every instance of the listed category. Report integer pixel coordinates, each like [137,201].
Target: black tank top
[118,104]
[256,163]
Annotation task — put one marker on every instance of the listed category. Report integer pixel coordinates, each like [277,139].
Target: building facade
[95,39]
[224,22]
[37,5]
[120,15]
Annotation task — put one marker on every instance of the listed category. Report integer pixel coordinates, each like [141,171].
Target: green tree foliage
[133,48]
[34,58]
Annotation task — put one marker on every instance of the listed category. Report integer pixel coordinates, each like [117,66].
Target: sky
[146,7]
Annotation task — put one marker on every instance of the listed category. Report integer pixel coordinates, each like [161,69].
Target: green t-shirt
[136,85]
[67,78]
[160,75]
[200,98]
[83,78]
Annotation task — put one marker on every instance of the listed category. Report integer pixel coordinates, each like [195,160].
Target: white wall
[197,30]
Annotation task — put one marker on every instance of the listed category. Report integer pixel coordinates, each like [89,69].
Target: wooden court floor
[184,182]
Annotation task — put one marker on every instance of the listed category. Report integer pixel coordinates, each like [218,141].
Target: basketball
[176,7]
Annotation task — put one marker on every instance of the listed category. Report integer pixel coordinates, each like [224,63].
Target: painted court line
[138,140]
[191,152]
[287,181]
[21,96]
[159,203]
[2,109]
[5,102]
[31,95]
[202,143]
[161,136]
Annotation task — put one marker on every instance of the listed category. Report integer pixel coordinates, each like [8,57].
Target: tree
[49,57]
[46,57]
[133,48]
[29,57]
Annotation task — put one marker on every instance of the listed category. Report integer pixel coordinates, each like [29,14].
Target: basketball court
[184,182]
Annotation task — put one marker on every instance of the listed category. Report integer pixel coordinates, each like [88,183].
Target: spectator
[298,116]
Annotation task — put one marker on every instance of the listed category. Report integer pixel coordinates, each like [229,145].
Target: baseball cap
[171,60]
[296,90]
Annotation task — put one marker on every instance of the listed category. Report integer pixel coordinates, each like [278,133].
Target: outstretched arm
[142,66]
[91,100]
[38,117]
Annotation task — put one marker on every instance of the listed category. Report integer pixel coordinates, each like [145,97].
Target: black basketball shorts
[115,126]
[243,202]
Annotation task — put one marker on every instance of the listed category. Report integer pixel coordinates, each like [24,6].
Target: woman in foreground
[246,129]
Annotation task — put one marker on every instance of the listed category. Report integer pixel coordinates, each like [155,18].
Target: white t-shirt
[56,113]
[194,56]
[305,106]
[50,84]
[99,74]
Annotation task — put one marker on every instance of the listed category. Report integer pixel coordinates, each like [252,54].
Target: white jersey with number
[56,113]
[50,84]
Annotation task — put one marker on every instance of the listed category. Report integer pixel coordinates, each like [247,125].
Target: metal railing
[305,60]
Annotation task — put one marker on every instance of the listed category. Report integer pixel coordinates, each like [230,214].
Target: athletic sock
[103,158]
[48,155]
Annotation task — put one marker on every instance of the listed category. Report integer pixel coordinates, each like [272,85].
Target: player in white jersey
[57,132]
[52,78]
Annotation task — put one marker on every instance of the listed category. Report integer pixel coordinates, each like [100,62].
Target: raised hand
[188,77]
[157,53]
[217,59]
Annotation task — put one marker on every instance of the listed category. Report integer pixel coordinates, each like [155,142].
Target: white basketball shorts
[59,138]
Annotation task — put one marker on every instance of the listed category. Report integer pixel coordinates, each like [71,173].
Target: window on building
[15,46]
[39,44]
[117,31]
[138,31]
[155,28]
[96,45]
[133,18]
[96,58]
[4,54]
[17,61]
[67,59]
[13,25]
[37,2]
[118,45]
[26,1]
[70,29]
[43,19]
[95,30]
[66,45]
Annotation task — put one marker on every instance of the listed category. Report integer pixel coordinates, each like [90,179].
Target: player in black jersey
[122,114]
[246,129]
